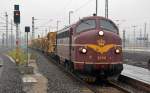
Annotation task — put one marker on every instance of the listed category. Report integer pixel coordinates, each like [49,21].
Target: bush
[22,57]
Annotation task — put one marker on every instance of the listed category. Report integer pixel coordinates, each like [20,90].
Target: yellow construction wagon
[51,42]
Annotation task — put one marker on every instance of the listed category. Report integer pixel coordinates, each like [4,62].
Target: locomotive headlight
[84,50]
[117,51]
[101,33]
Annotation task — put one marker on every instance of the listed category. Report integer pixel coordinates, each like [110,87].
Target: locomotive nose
[98,45]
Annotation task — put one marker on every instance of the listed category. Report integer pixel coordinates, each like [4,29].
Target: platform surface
[137,50]
[138,73]
[29,79]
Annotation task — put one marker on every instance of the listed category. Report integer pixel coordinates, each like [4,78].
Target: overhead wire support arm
[77,9]
[5,21]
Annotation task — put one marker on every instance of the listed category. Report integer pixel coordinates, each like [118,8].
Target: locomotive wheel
[89,79]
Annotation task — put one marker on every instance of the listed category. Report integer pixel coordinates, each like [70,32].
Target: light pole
[11,34]
[6,29]
[3,39]
[124,38]
[134,35]
[50,25]
[106,8]
[96,7]
[45,31]
[57,25]
[33,27]
[119,22]
[56,34]
[70,16]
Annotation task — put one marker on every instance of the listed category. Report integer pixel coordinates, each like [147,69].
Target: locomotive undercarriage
[108,73]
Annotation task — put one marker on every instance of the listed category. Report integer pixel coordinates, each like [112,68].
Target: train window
[108,25]
[85,25]
[63,34]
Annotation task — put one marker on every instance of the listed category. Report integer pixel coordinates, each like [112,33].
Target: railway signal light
[17,17]
[27,29]
[16,7]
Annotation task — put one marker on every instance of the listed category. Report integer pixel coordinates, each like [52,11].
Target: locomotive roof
[95,17]
[88,17]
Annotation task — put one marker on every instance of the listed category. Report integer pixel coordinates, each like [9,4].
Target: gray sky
[134,12]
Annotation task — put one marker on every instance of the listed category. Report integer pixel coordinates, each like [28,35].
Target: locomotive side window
[85,25]
[108,25]
[63,34]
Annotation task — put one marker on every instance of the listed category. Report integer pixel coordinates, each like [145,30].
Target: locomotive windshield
[86,25]
[108,25]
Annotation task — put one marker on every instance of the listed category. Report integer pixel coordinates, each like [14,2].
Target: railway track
[136,85]
[110,87]
[107,87]
[120,86]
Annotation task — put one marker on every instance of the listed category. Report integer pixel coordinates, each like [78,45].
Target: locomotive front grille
[88,68]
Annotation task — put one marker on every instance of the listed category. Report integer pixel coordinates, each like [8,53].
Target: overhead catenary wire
[47,22]
[5,29]
[2,18]
[78,8]
[2,23]
[66,5]
[85,4]
[5,20]
[74,10]
[63,8]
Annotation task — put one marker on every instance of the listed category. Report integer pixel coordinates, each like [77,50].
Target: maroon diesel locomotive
[91,47]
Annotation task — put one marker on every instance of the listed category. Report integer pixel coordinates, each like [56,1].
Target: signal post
[27,30]
[17,22]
